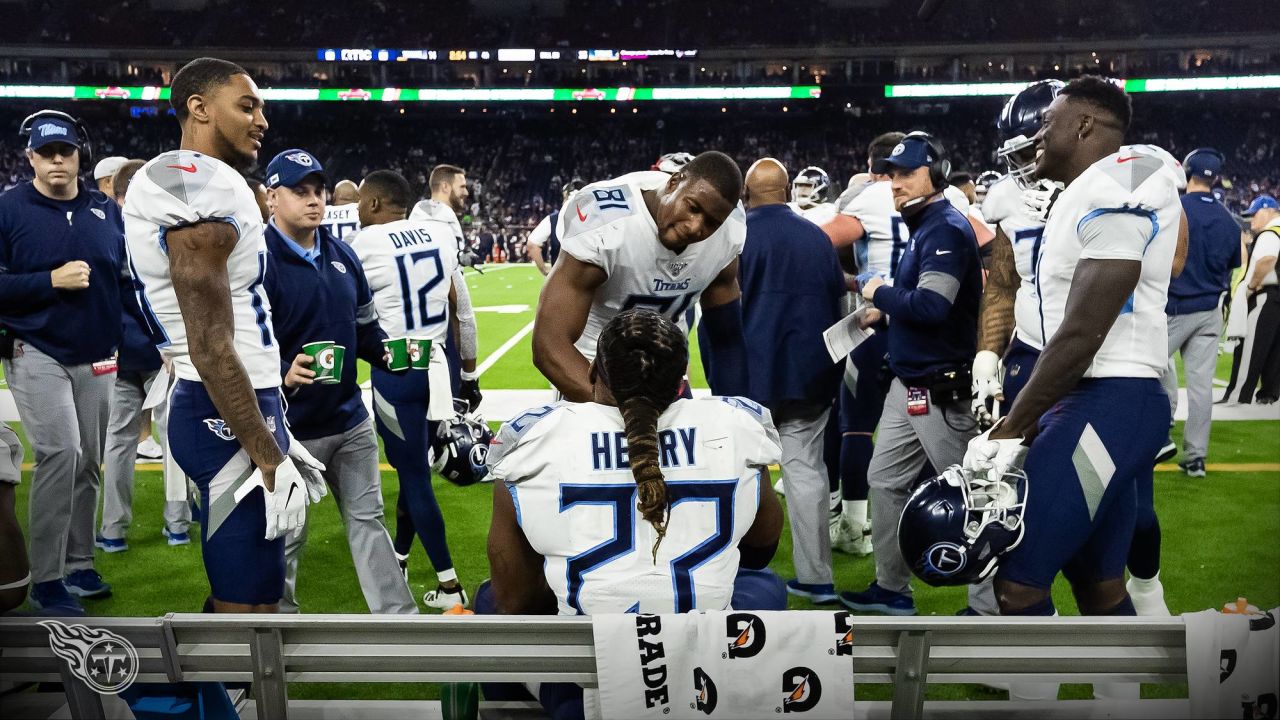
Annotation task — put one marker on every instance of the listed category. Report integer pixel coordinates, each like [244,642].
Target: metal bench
[273,651]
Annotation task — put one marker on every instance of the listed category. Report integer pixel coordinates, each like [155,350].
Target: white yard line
[503,349]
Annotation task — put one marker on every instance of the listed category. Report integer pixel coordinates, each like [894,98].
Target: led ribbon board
[616,94]
[1131,85]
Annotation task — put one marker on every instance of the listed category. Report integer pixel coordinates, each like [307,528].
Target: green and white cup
[419,353]
[327,359]
[398,353]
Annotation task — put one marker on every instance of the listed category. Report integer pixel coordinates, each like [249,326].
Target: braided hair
[642,357]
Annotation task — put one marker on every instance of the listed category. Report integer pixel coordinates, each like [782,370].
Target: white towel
[1233,663]
[724,664]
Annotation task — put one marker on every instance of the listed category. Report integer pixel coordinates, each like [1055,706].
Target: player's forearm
[1098,292]
[206,311]
[561,363]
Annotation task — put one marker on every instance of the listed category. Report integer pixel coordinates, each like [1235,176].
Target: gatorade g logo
[415,351]
[705,696]
[746,635]
[325,358]
[1227,664]
[801,690]
[844,634]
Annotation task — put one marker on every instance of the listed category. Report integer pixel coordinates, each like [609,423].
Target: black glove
[469,392]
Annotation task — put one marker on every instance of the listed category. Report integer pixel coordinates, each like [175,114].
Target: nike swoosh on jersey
[942,252]
[1127,159]
[581,217]
[190,167]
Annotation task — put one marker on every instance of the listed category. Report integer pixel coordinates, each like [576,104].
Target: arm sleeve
[467,335]
[728,374]
[1116,234]
[589,247]
[942,267]
[22,292]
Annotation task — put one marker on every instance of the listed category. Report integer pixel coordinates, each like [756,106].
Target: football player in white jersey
[576,473]
[341,218]
[198,257]
[1092,411]
[870,236]
[543,242]
[409,265]
[650,240]
[1014,252]
[809,193]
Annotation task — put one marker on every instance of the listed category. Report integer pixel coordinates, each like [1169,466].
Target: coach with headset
[933,324]
[61,254]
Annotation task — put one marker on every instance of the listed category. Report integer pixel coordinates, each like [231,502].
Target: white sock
[445,576]
[1145,585]
[855,511]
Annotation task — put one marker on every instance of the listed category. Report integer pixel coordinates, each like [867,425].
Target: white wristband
[468,376]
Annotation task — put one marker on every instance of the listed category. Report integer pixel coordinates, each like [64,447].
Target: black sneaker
[1167,452]
[1193,468]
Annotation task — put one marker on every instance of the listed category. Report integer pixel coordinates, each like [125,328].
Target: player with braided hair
[570,480]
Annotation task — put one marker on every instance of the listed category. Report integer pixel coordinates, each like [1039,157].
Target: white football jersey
[1003,207]
[181,188]
[566,468]
[342,221]
[607,224]
[541,232]
[819,214]
[885,234]
[409,265]
[1136,181]
[435,210]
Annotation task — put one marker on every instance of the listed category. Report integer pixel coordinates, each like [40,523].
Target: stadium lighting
[617,94]
[1132,85]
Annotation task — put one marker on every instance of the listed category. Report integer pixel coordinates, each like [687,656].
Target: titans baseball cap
[292,167]
[1262,202]
[47,130]
[911,153]
[108,167]
[1203,163]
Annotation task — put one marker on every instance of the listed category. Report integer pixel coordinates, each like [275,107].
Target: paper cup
[327,360]
[419,353]
[398,348]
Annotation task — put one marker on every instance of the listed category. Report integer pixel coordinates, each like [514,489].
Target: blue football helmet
[461,447]
[1019,121]
[955,527]
[810,187]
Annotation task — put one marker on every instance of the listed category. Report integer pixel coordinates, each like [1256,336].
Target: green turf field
[1219,532]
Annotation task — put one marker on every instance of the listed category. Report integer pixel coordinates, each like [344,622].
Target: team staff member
[791,374]
[104,173]
[1195,299]
[139,366]
[61,252]
[933,316]
[318,291]
[543,244]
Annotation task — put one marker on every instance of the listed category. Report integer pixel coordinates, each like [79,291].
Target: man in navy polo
[1195,301]
[932,307]
[318,292]
[791,292]
[61,249]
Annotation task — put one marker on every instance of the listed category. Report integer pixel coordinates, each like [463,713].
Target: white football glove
[286,505]
[310,468]
[986,385]
[997,456]
[1039,198]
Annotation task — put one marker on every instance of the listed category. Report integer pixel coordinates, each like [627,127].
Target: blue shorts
[1082,471]
[1019,361]
[862,403]
[242,565]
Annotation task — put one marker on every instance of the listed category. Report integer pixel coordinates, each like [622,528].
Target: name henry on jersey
[676,449]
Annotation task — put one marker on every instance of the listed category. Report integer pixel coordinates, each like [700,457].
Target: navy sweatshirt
[38,235]
[1213,251]
[324,299]
[791,289]
[933,304]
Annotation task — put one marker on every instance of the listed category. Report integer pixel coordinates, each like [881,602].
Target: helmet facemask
[993,514]
[1019,157]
